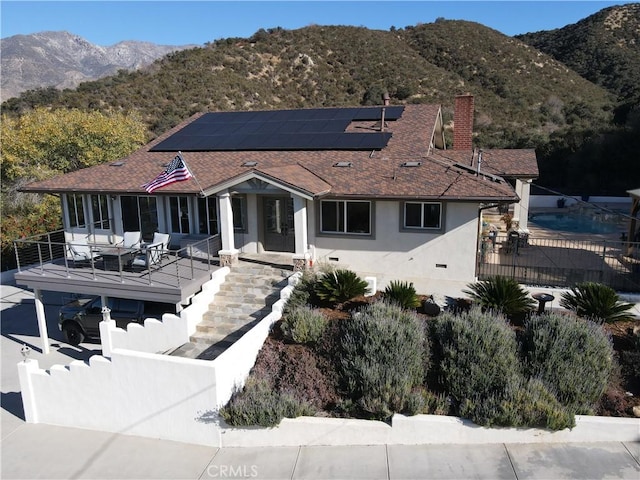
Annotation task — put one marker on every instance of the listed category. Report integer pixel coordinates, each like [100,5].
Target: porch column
[521,209]
[42,321]
[229,254]
[300,226]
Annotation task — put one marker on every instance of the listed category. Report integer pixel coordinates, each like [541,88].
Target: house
[372,189]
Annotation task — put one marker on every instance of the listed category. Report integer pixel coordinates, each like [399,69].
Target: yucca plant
[339,286]
[402,293]
[501,294]
[596,302]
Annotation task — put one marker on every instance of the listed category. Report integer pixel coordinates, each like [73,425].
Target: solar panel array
[307,129]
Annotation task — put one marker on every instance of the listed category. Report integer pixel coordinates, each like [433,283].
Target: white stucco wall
[416,257]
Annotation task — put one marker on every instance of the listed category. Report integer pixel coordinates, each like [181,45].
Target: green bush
[339,286]
[524,403]
[303,292]
[573,357]
[423,401]
[402,293]
[476,353]
[258,404]
[501,294]
[303,325]
[596,302]
[383,357]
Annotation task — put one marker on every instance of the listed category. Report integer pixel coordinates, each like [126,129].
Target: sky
[198,22]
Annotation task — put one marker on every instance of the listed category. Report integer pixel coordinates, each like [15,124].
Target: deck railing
[46,251]
[561,262]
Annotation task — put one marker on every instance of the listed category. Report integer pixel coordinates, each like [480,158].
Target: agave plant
[402,293]
[340,286]
[501,294]
[596,302]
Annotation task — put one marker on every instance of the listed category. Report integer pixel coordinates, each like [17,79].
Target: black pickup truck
[81,318]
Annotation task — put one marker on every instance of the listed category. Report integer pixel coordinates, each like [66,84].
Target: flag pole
[192,174]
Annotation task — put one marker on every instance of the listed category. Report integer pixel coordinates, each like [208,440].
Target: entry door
[279,235]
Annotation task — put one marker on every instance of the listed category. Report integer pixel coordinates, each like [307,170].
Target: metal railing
[48,252]
[561,262]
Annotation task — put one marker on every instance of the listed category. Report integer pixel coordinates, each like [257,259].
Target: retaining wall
[141,393]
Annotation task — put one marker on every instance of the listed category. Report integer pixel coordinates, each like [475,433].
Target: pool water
[568,222]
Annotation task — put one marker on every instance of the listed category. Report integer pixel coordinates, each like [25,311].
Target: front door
[279,235]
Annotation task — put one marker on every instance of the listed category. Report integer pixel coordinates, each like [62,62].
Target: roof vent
[117,164]
[249,164]
[412,164]
[343,164]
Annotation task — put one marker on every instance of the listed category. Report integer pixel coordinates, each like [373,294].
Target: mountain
[604,48]
[63,60]
[525,98]
[519,91]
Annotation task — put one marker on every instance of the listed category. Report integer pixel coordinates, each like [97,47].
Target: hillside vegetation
[524,98]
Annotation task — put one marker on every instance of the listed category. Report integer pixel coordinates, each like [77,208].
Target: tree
[44,143]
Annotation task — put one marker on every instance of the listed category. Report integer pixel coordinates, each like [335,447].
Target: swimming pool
[578,223]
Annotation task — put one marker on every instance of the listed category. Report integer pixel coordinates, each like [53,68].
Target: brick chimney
[463,122]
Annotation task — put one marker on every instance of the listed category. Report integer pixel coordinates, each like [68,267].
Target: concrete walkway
[31,451]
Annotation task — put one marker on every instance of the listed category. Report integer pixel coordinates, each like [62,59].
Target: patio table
[117,258]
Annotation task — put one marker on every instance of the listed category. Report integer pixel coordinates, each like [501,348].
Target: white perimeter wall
[409,256]
[141,393]
[551,201]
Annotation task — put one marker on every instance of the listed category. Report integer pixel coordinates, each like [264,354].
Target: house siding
[416,257]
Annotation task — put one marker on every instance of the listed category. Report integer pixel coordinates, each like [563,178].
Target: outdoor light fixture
[25,351]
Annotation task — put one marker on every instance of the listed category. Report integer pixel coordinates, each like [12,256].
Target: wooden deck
[172,281]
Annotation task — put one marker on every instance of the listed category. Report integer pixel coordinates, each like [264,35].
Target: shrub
[524,403]
[339,286]
[501,294]
[571,356]
[383,356]
[402,293]
[303,325]
[596,302]
[303,292]
[477,353]
[258,404]
[423,401]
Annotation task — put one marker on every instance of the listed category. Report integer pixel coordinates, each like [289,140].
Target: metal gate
[560,262]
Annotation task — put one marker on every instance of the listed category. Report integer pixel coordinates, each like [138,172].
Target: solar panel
[306,129]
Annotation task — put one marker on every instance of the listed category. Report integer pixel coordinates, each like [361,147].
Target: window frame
[343,218]
[77,217]
[179,212]
[100,211]
[422,228]
[205,207]
[239,213]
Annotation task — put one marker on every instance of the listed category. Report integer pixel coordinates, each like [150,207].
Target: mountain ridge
[62,60]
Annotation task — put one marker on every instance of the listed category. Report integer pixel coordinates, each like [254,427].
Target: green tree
[44,143]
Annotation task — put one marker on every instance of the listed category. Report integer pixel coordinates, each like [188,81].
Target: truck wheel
[73,333]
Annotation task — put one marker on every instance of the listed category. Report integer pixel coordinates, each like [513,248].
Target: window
[140,214]
[100,211]
[179,207]
[239,207]
[75,208]
[353,217]
[422,215]
[208,216]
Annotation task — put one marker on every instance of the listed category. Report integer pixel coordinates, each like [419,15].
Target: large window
[208,216]
[100,211]
[352,217]
[239,207]
[140,214]
[179,207]
[75,207]
[422,215]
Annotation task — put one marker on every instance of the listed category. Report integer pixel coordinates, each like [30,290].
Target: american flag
[176,171]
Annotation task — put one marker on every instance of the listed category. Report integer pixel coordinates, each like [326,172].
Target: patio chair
[161,238]
[150,255]
[130,240]
[79,251]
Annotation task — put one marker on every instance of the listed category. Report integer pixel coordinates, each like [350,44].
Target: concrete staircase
[245,298]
